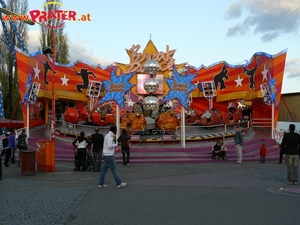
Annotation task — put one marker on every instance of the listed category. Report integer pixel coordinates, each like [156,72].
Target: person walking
[97,142]
[263,153]
[238,141]
[124,139]
[109,148]
[291,144]
[81,144]
[22,144]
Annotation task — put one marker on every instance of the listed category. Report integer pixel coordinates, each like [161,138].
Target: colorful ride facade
[210,95]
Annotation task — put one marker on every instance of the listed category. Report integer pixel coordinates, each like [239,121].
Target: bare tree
[8,72]
[55,35]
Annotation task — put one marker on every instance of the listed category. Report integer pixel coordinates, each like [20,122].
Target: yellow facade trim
[246,95]
[253,95]
[44,94]
[230,96]
[62,94]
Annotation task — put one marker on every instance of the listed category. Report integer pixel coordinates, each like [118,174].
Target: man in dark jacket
[22,144]
[124,139]
[97,142]
[291,144]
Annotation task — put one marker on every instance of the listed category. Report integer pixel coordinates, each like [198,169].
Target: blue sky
[202,32]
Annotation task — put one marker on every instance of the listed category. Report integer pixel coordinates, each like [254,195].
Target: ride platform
[192,133]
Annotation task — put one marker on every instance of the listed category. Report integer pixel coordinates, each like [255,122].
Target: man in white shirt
[109,147]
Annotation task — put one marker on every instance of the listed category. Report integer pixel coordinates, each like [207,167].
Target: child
[263,152]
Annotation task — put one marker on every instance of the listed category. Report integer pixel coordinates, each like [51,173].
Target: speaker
[47,50]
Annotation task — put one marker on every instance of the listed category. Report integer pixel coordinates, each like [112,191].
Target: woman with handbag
[81,144]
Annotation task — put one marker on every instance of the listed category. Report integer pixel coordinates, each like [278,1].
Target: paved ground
[190,194]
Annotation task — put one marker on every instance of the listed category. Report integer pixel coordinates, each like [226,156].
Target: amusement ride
[152,97]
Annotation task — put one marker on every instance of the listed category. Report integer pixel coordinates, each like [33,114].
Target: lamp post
[53,89]
[51,51]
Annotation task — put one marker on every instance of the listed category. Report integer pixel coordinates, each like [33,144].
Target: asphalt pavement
[169,194]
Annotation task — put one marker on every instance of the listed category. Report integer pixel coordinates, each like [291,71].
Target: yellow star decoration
[138,59]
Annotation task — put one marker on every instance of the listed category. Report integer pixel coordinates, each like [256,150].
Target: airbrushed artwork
[151,90]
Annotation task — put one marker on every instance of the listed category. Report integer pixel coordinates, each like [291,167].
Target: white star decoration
[169,104]
[239,81]
[64,80]
[140,97]
[160,97]
[129,102]
[264,73]
[36,71]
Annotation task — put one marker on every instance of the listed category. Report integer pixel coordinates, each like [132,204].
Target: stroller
[89,160]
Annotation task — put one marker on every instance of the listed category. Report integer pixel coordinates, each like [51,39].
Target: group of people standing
[10,143]
[105,146]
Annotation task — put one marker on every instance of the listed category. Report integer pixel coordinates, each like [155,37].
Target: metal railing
[160,135]
[75,129]
[223,132]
